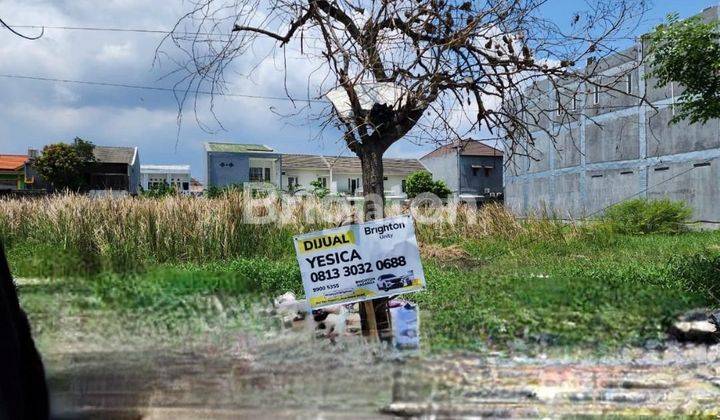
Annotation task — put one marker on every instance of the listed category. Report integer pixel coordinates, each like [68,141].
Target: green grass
[592,289]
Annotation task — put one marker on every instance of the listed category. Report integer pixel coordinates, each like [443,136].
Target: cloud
[36,113]
[115,53]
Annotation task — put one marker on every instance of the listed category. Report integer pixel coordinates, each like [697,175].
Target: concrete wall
[134,174]
[444,167]
[618,150]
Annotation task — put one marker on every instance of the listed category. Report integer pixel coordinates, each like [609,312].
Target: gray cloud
[35,113]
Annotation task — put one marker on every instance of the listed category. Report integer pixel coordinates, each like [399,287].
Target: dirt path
[296,377]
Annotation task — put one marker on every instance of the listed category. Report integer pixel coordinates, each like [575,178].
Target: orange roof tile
[12,162]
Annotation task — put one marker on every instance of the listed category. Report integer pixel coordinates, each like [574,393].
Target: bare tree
[441,68]
[438,70]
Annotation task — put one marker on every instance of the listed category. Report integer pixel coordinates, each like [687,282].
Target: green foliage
[700,273]
[642,216]
[318,189]
[292,189]
[687,52]
[65,166]
[213,191]
[421,182]
[159,191]
[173,263]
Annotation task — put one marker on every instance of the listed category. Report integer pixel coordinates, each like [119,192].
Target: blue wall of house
[475,182]
[225,169]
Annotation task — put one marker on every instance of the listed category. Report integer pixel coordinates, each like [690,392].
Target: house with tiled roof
[12,172]
[470,168]
[236,163]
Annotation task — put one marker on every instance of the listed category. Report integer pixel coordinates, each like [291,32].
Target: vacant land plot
[182,267]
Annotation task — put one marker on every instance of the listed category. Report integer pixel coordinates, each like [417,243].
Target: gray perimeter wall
[620,151]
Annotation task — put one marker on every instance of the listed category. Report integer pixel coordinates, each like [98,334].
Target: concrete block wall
[617,151]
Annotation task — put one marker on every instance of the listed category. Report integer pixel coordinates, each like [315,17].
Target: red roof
[467,148]
[12,162]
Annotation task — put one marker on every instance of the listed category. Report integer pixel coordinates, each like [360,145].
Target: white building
[343,175]
[177,176]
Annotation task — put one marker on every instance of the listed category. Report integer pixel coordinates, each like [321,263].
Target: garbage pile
[333,322]
[697,326]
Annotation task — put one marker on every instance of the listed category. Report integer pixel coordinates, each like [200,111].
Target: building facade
[230,164]
[238,164]
[618,149]
[115,169]
[176,176]
[12,172]
[470,169]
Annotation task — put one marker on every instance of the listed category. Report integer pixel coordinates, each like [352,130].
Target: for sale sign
[360,262]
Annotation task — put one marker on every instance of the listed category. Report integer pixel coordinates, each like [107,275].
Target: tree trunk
[374,208]
[373,185]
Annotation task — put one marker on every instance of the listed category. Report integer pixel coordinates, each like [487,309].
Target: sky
[35,112]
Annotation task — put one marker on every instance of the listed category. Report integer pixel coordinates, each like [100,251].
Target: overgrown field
[194,265]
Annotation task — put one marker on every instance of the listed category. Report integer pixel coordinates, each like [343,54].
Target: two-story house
[470,168]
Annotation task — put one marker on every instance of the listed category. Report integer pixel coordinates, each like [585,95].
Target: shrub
[422,182]
[319,190]
[213,191]
[641,216]
[699,273]
[159,191]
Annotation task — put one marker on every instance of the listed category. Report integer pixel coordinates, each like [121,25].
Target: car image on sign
[391,281]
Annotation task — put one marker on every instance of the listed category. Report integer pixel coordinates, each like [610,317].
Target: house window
[323,181]
[185,186]
[628,81]
[292,182]
[487,171]
[256,174]
[402,186]
[475,171]
[596,94]
[267,175]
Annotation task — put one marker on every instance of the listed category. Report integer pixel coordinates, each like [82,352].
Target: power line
[111,29]
[156,88]
[193,33]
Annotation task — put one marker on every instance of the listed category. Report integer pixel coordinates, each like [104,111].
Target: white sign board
[360,262]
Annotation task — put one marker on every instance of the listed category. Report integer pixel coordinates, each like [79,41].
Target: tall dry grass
[172,229]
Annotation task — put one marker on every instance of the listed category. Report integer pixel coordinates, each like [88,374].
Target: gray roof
[291,161]
[391,166]
[468,147]
[106,154]
[236,147]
